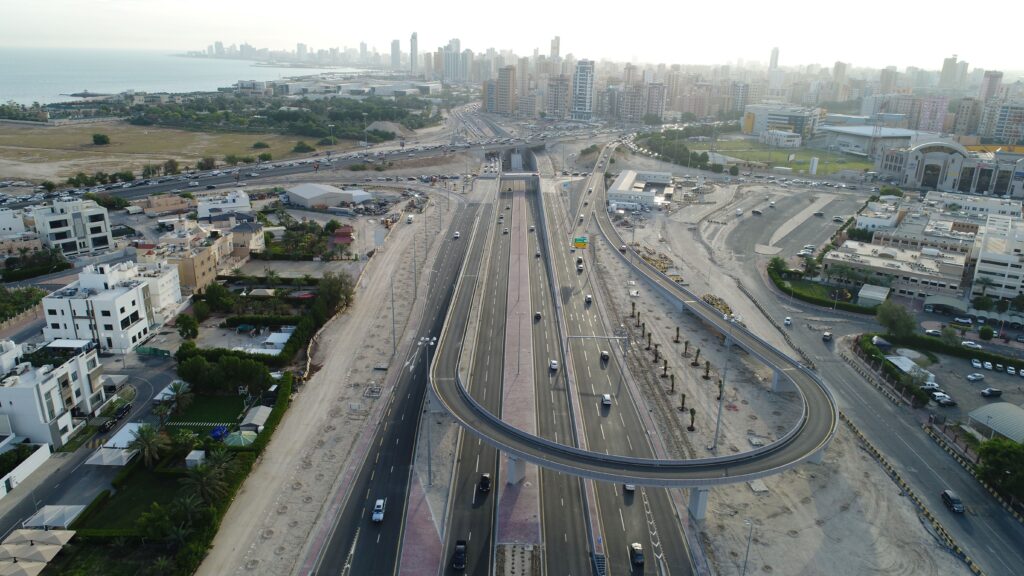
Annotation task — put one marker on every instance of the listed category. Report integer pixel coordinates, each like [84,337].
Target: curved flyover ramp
[811,434]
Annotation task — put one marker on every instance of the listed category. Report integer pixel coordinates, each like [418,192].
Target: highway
[645,515]
[356,545]
[471,512]
[812,433]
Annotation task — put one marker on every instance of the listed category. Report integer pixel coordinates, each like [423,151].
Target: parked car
[939,395]
[976,363]
[987,365]
[123,411]
[960,320]
[935,333]
[976,377]
[931,387]
[108,425]
[991,392]
[952,501]
[1011,370]
[946,402]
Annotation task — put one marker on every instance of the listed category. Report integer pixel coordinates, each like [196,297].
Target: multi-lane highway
[356,544]
[814,429]
[641,515]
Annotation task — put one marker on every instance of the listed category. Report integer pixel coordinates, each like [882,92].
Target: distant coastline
[269,63]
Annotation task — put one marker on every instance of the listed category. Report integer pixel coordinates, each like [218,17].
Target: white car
[378,511]
[606,399]
[788,321]
[971,344]
[976,377]
[457,235]
[975,363]
[987,365]
[553,365]
[1011,370]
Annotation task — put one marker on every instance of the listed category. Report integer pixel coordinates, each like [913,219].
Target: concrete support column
[778,384]
[698,505]
[516,469]
[819,456]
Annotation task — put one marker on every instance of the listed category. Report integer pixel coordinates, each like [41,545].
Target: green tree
[717,168]
[265,157]
[181,395]
[983,303]
[986,333]
[1002,465]
[811,267]
[231,160]
[171,167]
[219,298]
[206,164]
[985,283]
[201,310]
[100,139]
[301,147]
[734,170]
[259,145]
[1002,306]
[890,191]
[149,443]
[652,119]
[950,337]
[206,482]
[48,186]
[188,327]
[896,319]
[777,266]
[332,226]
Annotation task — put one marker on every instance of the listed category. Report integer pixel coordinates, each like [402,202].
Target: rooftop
[897,259]
[869,131]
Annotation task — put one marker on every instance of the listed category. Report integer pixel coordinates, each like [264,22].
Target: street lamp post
[331,126]
[750,536]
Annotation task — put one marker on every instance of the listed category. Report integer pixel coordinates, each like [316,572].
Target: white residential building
[73,226]
[43,392]
[111,305]
[235,201]
[583,91]
[164,289]
[11,222]
[1000,259]
[879,216]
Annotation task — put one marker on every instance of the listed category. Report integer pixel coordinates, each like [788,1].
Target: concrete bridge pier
[778,383]
[698,505]
[516,469]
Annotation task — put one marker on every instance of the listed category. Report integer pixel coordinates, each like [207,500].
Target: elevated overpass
[806,441]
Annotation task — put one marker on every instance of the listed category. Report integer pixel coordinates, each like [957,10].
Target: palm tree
[162,411]
[206,482]
[810,267]
[149,443]
[187,507]
[161,566]
[178,535]
[220,459]
[181,395]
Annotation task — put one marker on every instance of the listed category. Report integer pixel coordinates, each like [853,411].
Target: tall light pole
[750,536]
[721,386]
[366,139]
[331,126]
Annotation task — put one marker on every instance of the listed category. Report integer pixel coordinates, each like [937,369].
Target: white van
[378,510]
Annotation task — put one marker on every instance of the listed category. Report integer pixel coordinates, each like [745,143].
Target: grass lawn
[57,152]
[77,440]
[92,558]
[140,491]
[757,152]
[211,409]
[810,288]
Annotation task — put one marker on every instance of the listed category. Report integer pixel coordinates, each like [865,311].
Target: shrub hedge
[257,320]
[91,509]
[806,297]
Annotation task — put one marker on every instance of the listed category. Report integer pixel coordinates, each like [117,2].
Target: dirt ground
[843,516]
[267,528]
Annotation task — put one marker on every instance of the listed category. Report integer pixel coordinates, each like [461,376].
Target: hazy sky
[871,33]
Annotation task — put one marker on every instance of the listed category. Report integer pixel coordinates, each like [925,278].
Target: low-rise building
[199,255]
[160,204]
[780,139]
[73,226]
[950,167]
[44,391]
[164,289]
[879,216]
[907,272]
[234,201]
[640,188]
[110,304]
[247,238]
[325,195]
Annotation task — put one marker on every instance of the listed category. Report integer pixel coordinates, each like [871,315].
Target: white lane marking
[630,443]
[622,520]
[601,426]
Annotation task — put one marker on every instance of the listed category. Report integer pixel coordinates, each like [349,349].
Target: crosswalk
[193,424]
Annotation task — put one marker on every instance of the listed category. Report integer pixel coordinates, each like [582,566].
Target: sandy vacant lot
[843,516]
[56,152]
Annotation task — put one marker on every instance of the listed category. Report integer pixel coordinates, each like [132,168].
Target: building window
[108,327]
[51,312]
[105,313]
[55,326]
[122,309]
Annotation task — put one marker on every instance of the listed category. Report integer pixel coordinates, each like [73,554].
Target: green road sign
[580,242]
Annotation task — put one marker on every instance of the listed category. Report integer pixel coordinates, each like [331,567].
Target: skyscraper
[990,85]
[583,91]
[555,47]
[363,57]
[396,55]
[505,91]
[947,79]
[775,59]
[887,80]
[300,51]
[413,46]
[558,101]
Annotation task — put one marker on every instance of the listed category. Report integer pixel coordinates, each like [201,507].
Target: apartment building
[1000,259]
[915,273]
[758,118]
[234,201]
[43,392]
[73,226]
[583,91]
[110,304]
[160,204]
[197,253]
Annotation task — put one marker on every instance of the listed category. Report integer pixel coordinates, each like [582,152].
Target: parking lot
[951,375]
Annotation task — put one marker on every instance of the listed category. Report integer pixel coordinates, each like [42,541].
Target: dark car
[123,411]
[211,186]
[459,556]
[108,425]
[485,483]
[952,501]
[991,392]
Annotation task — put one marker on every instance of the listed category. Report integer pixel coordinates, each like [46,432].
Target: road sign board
[580,242]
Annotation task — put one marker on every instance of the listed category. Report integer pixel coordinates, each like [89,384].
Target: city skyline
[583,35]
